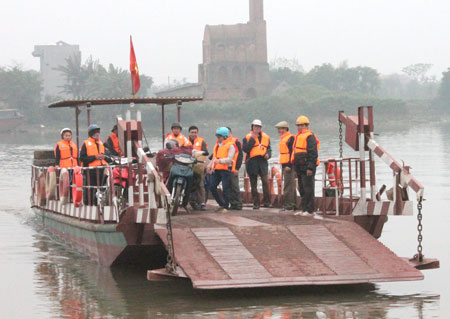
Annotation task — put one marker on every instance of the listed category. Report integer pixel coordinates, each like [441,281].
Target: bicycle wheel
[176,199]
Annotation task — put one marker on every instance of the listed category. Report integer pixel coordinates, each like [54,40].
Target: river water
[40,278]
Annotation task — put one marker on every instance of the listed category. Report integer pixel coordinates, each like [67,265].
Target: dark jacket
[257,164]
[309,159]
[240,157]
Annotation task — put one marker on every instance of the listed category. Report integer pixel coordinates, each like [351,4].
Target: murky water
[40,278]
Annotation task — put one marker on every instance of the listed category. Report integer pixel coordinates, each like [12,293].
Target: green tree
[418,71]
[444,89]
[92,79]
[358,79]
[21,90]
[284,63]
[324,75]
[76,75]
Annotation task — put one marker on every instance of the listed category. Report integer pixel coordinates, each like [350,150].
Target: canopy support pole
[162,124]
[77,127]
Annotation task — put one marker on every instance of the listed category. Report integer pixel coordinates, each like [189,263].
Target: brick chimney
[256,10]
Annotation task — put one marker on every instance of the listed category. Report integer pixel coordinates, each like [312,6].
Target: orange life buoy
[275,173]
[64,186]
[334,180]
[77,188]
[50,183]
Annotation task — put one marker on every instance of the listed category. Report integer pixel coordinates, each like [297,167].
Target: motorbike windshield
[184,159]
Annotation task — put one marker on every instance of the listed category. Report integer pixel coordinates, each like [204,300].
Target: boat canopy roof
[137,100]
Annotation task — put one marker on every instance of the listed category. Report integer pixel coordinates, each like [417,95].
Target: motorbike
[119,180]
[180,179]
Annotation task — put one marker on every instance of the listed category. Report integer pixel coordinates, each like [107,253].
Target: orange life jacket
[236,154]
[182,140]
[301,143]
[260,148]
[198,142]
[285,155]
[115,140]
[221,151]
[92,150]
[68,152]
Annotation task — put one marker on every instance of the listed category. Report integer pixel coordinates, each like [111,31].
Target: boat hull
[101,242]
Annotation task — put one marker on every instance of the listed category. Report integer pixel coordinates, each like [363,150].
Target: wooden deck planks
[230,254]
[336,255]
[280,252]
[192,256]
[371,251]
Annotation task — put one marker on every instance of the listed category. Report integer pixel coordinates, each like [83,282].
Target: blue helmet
[92,128]
[223,131]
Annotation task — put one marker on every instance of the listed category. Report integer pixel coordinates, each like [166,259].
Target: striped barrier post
[130,167]
[405,177]
[362,158]
[141,184]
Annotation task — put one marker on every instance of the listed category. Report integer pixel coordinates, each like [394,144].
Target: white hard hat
[257,122]
[66,129]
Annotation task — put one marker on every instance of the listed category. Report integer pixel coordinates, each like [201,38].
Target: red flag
[135,82]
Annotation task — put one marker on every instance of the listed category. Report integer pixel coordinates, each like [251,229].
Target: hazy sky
[167,34]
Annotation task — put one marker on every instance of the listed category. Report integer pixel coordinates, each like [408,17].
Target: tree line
[22,89]
[413,83]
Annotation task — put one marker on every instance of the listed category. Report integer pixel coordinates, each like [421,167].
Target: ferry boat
[248,248]
[10,119]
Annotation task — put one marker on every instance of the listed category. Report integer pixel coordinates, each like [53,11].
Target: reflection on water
[44,279]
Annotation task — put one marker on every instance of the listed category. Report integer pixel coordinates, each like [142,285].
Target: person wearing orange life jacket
[235,190]
[92,154]
[286,146]
[197,142]
[198,197]
[222,166]
[256,146]
[66,152]
[112,142]
[305,157]
[176,135]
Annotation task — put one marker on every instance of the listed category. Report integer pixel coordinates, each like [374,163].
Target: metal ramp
[265,249]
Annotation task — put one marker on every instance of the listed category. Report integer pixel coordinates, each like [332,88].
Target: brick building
[234,60]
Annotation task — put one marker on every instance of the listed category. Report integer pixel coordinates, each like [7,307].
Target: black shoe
[267,205]
[202,207]
[235,208]
[256,206]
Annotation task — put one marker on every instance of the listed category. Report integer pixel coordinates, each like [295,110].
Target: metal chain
[340,140]
[419,229]
[171,265]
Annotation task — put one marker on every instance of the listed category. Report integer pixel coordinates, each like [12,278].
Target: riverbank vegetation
[319,93]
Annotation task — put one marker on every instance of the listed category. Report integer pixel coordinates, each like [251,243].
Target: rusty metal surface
[427,263]
[262,248]
[146,100]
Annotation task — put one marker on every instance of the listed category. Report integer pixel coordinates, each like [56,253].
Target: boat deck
[266,248]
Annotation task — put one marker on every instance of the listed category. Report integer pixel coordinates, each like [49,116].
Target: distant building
[234,60]
[51,57]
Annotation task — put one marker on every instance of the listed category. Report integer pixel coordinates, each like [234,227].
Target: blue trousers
[225,177]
